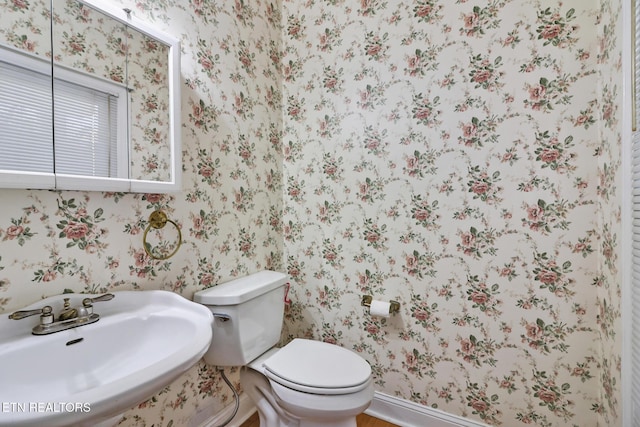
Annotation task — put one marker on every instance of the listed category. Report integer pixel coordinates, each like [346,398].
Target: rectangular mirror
[114,105]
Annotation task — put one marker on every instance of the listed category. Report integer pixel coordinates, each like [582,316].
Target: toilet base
[258,388]
[272,414]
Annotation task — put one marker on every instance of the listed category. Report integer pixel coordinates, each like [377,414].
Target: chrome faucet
[68,318]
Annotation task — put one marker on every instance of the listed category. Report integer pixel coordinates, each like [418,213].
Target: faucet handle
[88,302]
[44,312]
[46,317]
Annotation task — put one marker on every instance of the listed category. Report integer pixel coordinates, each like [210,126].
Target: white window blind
[26,138]
[86,130]
[75,124]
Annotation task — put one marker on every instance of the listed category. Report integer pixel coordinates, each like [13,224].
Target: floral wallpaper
[228,211]
[609,190]
[461,157]
[25,26]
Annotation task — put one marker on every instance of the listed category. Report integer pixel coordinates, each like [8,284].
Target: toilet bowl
[306,383]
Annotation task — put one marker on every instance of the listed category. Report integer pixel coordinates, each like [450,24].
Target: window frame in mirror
[28,180]
[173,61]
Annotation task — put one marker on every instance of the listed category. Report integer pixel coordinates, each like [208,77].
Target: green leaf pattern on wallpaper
[446,153]
[459,156]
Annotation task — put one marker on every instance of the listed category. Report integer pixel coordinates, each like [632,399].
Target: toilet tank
[255,307]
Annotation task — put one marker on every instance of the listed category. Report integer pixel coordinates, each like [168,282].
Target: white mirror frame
[31,180]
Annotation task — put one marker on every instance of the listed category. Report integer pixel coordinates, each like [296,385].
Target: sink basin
[90,374]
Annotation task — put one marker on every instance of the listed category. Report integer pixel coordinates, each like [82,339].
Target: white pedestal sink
[90,374]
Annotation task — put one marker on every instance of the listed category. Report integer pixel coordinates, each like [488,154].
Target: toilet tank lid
[242,289]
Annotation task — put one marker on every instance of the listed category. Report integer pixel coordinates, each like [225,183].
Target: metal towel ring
[157,220]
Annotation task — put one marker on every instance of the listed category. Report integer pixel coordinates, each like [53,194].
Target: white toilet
[305,383]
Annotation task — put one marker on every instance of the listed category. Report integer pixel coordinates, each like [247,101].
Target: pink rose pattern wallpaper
[461,157]
[230,207]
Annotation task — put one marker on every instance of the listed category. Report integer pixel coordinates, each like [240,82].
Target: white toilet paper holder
[394,306]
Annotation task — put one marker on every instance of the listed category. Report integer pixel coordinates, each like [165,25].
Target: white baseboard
[245,410]
[385,407]
[409,414]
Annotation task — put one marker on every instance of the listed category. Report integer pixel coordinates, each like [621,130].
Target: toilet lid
[304,364]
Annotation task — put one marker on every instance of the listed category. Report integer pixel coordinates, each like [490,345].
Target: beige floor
[364,420]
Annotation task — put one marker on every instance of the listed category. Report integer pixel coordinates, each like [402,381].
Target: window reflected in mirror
[111,101]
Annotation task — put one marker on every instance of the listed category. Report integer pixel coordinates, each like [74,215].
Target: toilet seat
[317,367]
